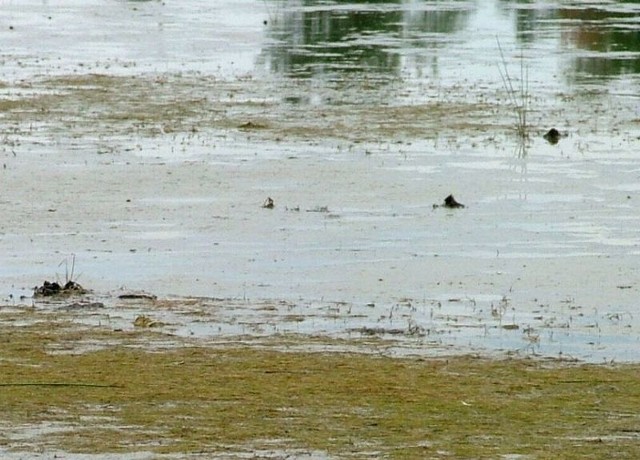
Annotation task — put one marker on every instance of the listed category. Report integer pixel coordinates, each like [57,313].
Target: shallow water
[361,116]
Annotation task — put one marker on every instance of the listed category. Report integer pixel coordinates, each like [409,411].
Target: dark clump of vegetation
[449,202]
[49,289]
[55,289]
[552,136]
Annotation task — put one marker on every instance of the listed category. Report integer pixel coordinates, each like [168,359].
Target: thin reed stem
[518,99]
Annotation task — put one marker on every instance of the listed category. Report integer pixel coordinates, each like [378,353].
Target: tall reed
[519,98]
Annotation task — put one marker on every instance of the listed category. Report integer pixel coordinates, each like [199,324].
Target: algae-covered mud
[111,388]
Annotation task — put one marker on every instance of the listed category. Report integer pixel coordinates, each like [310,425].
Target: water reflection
[603,42]
[614,37]
[312,37]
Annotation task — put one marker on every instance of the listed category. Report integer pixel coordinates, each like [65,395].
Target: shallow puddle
[148,153]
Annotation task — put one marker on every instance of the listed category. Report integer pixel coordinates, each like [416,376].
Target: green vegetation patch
[195,398]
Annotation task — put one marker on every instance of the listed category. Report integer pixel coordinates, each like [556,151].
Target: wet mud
[149,158]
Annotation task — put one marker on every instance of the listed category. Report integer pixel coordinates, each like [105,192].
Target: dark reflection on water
[614,36]
[312,37]
[316,37]
[605,40]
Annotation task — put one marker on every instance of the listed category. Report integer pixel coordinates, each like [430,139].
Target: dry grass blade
[519,99]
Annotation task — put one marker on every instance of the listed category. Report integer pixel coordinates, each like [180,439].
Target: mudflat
[270,265]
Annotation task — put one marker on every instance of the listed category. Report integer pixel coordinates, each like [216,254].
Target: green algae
[195,398]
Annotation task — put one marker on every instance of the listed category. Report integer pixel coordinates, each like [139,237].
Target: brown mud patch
[152,105]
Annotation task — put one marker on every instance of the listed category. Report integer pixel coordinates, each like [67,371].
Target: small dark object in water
[450,202]
[51,289]
[252,125]
[268,203]
[552,136]
[48,289]
[137,296]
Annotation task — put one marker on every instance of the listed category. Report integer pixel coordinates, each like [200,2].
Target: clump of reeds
[55,288]
[519,98]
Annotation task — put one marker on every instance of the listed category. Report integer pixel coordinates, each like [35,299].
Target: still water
[562,42]
[356,117]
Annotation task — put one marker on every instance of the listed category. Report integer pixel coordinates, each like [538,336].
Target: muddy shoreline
[151,168]
[161,189]
[82,382]
[256,209]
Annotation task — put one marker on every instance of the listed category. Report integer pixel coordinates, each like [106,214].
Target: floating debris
[137,296]
[49,289]
[552,136]
[145,321]
[252,125]
[319,209]
[268,203]
[449,202]
[412,330]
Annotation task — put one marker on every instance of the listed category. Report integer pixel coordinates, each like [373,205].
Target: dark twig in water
[137,296]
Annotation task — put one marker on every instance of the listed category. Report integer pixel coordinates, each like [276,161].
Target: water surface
[144,136]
